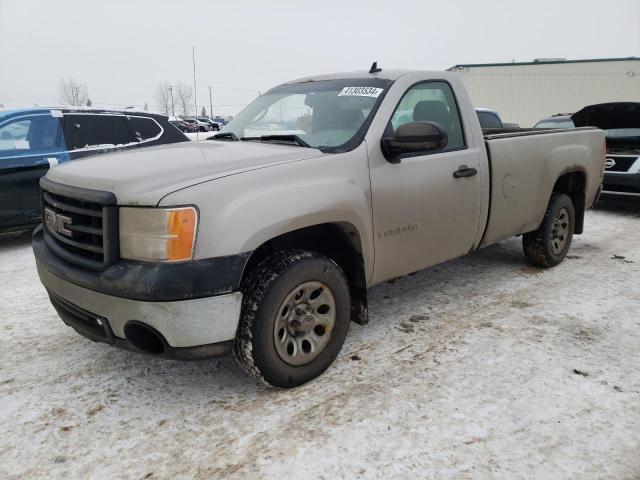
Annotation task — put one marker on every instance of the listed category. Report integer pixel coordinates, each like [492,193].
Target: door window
[431,102]
[34,134]
[89,131]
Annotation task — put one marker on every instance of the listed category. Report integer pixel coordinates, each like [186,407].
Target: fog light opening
[144,338]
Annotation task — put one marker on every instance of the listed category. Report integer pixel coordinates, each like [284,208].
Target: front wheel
[548,245]
[294,319]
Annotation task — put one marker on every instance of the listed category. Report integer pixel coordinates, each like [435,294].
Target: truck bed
[522,177]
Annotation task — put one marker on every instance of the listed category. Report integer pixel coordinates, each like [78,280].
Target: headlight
[158,234]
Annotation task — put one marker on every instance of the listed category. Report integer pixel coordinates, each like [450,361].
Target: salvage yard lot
[482,367]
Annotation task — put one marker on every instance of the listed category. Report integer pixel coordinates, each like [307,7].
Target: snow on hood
[143,176]
[608,116]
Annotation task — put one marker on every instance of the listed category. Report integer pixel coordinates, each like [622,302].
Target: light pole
[210,104]
[173,111]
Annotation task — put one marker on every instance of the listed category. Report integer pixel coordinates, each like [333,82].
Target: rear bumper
[621,183]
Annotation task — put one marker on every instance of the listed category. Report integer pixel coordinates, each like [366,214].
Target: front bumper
[192,328]
[621,183]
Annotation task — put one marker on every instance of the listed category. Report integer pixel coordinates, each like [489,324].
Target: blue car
[36,139]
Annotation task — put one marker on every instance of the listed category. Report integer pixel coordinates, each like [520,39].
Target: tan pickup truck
[264,239]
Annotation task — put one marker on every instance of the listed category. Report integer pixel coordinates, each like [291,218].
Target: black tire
[264,291]
[539,245]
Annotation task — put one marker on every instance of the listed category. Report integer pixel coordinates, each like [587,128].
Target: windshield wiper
[224,136]
[280,138]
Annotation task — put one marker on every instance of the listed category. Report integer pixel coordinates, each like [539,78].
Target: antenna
[374,68]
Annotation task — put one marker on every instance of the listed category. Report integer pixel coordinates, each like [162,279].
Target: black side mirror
[414,137]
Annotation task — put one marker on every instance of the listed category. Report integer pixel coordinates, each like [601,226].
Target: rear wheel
[548,245]
[294,319]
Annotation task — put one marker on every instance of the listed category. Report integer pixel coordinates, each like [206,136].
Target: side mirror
[414,137]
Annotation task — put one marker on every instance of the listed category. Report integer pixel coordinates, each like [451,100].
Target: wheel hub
[301,320]
[304,323]
[559,231]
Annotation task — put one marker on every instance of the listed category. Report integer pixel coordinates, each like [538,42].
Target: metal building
[525,92]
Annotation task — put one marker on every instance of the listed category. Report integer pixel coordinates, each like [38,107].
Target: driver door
[422,214]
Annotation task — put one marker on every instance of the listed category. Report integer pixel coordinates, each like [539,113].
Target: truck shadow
[15,240]
[621,205]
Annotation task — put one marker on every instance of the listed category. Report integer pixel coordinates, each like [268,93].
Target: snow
[199,136]
[482,367]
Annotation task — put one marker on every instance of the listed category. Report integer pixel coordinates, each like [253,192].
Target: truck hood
[608,116]
[144,176]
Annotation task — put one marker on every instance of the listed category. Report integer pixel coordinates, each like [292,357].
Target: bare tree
[162,96]
[72,92]
[184,98]
[203,112]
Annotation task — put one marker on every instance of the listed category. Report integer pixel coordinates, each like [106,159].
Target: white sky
[122,49]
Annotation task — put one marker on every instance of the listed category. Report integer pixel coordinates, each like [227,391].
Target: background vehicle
[34,140]
[201,126]
[490,119]
[265,244]
[214,125]
[621,124]
[184,127]
[559,120]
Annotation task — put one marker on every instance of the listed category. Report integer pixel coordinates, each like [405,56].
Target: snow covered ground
[483,367]
[200,136]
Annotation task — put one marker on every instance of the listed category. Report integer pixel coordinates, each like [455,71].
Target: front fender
[240,212]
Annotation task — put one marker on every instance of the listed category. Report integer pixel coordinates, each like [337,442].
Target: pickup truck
[264,240]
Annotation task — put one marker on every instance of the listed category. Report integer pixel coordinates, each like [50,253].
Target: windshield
[568,123]
[622,133]
[326,114]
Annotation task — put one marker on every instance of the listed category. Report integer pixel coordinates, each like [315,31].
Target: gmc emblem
[57,223]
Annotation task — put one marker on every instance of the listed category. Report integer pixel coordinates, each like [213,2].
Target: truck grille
[619,164]
[80,225]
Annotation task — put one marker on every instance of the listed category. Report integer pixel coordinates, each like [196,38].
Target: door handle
[464,171]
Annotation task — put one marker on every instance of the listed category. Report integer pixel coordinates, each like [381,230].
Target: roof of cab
[383,74]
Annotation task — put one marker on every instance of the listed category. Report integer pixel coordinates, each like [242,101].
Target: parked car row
[184,127]
[34,140]
[199,124]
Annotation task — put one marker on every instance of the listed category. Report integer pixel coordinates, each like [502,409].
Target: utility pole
[210,104]
[195,98]
[173,110]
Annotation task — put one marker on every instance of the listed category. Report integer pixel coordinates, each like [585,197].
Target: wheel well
[338,241]
[574,185]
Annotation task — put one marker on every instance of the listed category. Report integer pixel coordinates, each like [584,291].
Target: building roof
[542,62]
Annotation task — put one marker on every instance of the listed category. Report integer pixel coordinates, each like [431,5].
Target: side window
[431,102]
[88,131]
[122,132]
[143,128]
[14,136]
[39,133]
